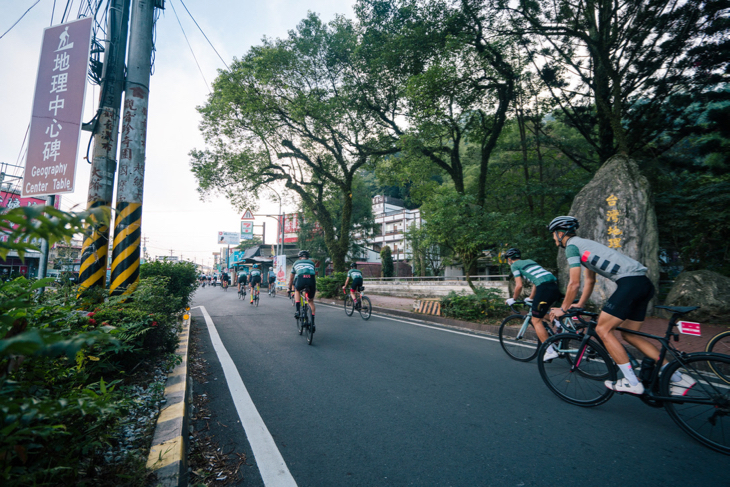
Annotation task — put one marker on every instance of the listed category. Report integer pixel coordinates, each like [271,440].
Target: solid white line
[272,467]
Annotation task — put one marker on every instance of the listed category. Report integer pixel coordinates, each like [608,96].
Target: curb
[168,454]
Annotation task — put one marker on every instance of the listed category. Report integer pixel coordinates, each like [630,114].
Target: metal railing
[440,278]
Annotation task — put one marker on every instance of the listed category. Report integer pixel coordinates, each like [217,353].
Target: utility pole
[106,132]
[130,186]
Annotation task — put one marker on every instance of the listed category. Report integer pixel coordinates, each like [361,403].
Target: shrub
[331,286]
[182,276]
[387,261]
[483,305]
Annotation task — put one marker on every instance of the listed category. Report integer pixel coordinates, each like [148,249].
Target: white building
[393,220]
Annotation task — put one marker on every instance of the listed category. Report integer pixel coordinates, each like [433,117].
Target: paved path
[393,402]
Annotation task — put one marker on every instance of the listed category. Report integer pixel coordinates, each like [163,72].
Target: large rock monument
[616,209]
[706,289]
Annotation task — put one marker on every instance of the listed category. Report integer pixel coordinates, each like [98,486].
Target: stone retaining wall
[427,289]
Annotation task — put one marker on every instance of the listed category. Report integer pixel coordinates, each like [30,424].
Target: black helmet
[353,265]
[565,223]
[303,253]
[513,253]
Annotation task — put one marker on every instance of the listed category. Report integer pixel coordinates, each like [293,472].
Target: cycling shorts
[255,280]
[308,283]
[356,284]
[546,295]
[631,298]
[272,278]
[243,280]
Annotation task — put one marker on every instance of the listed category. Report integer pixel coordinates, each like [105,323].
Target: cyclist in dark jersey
[626,307]
[303,277]
[255,280]
[544,293]
[357,281]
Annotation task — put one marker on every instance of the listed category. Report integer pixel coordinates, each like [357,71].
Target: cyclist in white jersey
[626,307]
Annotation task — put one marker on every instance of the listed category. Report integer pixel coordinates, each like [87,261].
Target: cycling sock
[628,372]
[676,376]
[299,305]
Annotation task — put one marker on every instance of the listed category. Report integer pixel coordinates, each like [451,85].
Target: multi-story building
[393,220]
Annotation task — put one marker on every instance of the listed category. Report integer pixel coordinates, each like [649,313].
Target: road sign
[247,215]
[246,230]
[228,238]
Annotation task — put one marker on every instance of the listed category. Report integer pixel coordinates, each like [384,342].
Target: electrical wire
[21,18]
[206,37]
[191,47]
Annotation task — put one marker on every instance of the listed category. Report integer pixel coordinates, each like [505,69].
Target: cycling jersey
[303,268]
[601,260]
[532,271]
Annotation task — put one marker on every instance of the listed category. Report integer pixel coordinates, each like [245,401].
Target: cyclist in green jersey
[544,293]
[626,307]
[357,280]
[255,280]
[303,277]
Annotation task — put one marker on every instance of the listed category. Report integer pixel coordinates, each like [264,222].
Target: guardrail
[440,278]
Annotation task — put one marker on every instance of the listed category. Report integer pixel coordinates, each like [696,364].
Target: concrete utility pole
[101,182]
[130,186]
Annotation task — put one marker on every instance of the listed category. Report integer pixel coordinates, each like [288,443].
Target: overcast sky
[173,217]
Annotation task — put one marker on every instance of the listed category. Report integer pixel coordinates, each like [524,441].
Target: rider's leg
[542,334]
[606,325]
[297,301]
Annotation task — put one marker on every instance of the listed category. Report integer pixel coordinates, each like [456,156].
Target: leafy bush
[483,305]
[182,277]
[331,286]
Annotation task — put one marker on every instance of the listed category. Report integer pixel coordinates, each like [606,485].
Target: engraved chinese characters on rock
[612,216]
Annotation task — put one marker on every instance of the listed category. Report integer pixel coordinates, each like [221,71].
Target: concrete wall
[427,289]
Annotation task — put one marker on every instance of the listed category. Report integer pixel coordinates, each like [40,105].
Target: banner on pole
[228,238]
[58,105]
[280,269]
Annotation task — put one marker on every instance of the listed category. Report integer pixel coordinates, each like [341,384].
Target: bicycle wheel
[366,309]
[240,295]
[257,299]
[704,409]
[273,291]
[349,305]
[300,323]
[309,324]
[720,343]
[518,345]
[582,385]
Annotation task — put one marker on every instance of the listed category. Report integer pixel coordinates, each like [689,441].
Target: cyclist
[544,293]
[626,307]
[272,278]
[242,278]
[357,281]
[302,277]
[225,279]
[255,276]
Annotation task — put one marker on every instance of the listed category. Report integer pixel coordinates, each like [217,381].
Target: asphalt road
[389,402]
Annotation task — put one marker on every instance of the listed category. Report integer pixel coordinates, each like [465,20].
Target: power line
[206,37]
[21,18]
[191,47]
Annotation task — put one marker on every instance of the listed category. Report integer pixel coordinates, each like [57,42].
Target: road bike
[242,292]
[361,303]
[304,322]
[224,285]
[720,343]
[255,295]
[699,404]
[272,289]
[518,337]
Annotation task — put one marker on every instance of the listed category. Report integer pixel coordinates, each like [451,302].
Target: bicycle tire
[300,323]
[366,308]
[522,349]
[576,386]
[273,292]
[310,324]
[720,343]
[706,422]
[349,305]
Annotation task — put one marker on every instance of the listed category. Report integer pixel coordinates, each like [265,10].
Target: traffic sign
[247,215]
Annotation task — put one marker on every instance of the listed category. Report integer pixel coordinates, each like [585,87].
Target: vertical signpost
[58,105]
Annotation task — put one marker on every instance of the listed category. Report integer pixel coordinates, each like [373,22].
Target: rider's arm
[590,281]
[346,281]
[573,286]
[533,292]
[518,288]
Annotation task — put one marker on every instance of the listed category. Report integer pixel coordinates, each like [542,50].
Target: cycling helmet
[564,223]
[353,265]
[512,253]
[255,266]
[303,253]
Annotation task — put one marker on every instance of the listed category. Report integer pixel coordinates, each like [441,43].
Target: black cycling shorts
[631,298]
[355,284]
[255,280]
[272,279]
[308,283]
[243,280]
[546,295]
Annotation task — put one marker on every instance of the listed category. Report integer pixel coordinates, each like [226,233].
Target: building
[393,220]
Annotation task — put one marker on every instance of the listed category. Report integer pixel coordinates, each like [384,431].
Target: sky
[174,219]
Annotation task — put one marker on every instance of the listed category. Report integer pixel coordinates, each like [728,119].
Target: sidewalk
[653,325]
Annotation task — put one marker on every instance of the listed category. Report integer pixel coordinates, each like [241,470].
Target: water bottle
[647,368]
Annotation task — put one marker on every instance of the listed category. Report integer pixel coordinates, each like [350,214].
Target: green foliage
[331,286]
[386,258]
[181,283]
[484,304]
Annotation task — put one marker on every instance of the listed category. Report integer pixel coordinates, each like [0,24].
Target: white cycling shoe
[550,354]
[623,385]
[682,386]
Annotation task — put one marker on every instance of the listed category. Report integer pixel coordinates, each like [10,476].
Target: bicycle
[699,405]
[720,343]
[518,337]
[361,303]
[224,285]
[242,292]
[304,322]
[255,296]
[272,289]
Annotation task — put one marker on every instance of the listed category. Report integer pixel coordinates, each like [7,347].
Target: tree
[623,72]
[284,113]
[387,261]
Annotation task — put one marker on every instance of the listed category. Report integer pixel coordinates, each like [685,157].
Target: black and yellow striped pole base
[126,253]
[94,253]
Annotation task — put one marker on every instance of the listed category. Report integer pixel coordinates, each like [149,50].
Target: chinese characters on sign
[55,127]
[612,216]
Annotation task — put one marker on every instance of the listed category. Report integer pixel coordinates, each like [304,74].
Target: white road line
[272,467]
